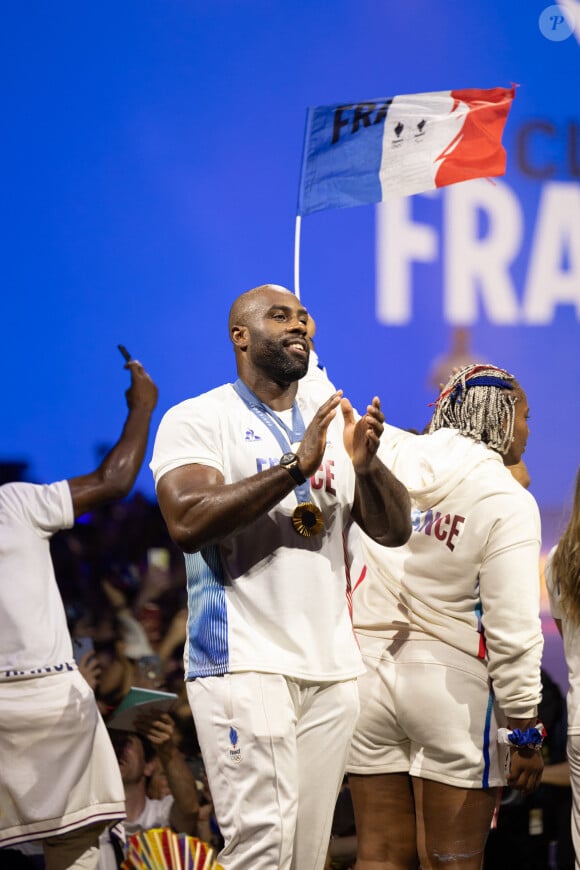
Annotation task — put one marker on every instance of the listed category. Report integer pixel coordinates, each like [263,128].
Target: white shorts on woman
[427,709]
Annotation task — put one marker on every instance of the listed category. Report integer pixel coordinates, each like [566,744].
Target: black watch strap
[291,463]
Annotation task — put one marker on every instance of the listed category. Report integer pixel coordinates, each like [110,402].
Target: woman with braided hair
[450,632]
[562,572]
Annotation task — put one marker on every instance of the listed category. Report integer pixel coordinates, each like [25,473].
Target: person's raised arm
[116,474]
[159,729]
[382,507]
[200,509]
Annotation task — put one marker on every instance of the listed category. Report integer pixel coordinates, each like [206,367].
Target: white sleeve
[510,596]
[391,441]
[552,586]
[47,508]
[188,434]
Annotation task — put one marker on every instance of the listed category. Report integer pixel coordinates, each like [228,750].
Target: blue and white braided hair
[479,401]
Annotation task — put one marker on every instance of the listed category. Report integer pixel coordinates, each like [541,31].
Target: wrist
[522,721]
[291,463]
[523,738]
[368,466]
[363,470]
[166,752]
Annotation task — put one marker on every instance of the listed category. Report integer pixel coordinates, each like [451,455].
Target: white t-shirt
[34,637]
[469,575]
[155,814]
[266,598]
[571,638]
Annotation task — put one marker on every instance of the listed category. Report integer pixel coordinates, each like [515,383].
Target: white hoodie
[469,575]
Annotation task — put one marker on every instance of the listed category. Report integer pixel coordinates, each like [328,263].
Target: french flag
[366,152]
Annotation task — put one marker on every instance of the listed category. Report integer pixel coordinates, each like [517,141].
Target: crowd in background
[122,580]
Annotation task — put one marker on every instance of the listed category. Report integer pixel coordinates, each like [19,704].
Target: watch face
[288,459]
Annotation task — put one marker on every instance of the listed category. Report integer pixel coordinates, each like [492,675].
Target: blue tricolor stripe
[486,737]
[207,624]
[339,167]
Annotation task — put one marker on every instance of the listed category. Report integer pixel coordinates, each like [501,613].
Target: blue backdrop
[151,153]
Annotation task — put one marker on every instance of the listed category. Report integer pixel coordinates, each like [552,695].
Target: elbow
[398,528]
[191,526]
[402,533]
[116,483]
[185,537]
[117,491]
[388,530]
[183,515]
[397,534]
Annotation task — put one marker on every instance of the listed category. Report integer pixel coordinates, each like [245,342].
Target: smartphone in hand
[81,646]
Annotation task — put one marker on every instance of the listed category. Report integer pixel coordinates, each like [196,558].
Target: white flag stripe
[418,128]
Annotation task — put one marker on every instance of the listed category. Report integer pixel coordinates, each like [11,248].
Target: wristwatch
[291,463]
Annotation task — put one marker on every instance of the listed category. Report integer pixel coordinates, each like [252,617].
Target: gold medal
[307,519]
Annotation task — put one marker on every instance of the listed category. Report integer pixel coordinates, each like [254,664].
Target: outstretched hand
[362,437]
[313,442]
[143,391]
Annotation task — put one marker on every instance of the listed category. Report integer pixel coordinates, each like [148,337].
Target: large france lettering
[477,267]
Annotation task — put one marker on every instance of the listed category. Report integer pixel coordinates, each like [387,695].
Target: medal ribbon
[274,423]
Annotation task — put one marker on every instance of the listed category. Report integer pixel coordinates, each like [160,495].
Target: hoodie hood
[431,466]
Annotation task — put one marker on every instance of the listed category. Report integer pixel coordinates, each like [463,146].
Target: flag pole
[297,256]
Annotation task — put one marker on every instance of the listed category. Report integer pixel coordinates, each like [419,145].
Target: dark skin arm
[382,506]
[200,509]
[116,474]
[159,728]
[526,765]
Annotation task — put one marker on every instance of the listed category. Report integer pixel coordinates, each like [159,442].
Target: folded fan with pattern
[162,849]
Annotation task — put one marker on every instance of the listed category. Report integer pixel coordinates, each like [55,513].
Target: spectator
[138,753]
[58,778]
[562,572]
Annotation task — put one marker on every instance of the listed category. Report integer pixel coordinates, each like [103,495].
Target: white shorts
[573,753]
[275,752]
[58,770]
[427,709]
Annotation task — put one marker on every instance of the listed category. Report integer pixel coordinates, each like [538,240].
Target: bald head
[268,326]
[245,307]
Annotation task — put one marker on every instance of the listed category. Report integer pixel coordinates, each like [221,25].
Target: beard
[275,360]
